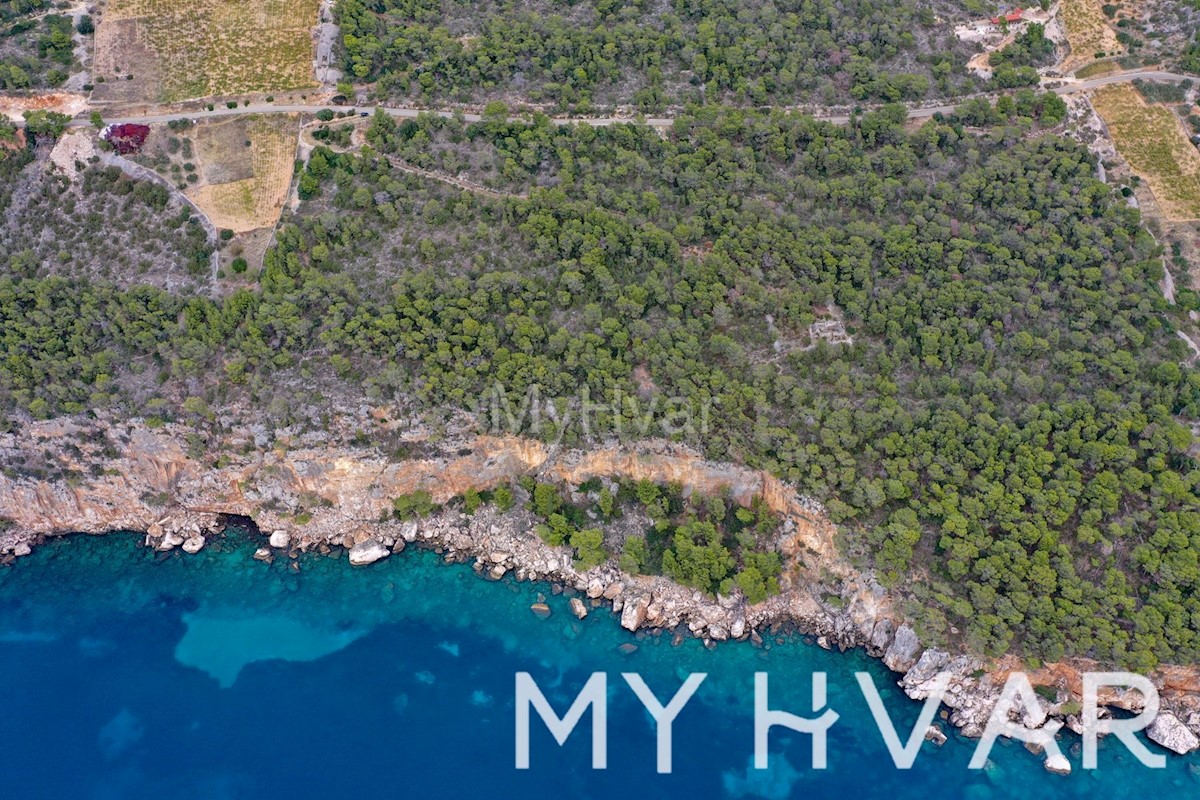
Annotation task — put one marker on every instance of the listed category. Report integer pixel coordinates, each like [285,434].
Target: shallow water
[131,675]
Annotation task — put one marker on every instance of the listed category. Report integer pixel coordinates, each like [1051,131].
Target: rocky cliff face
[311,493]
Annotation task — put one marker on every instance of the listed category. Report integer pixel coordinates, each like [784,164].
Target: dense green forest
[1000,430]
[599,53]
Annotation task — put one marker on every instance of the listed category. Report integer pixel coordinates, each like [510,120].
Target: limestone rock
[881,635]
[367,552]
[1168,731]
[1035,717]
[633,613]
[934,734]
[1058,764]
[263,554]
[193,544]
[902,653]
[578,608]
[170,541]
[917,682]
[280,540]
[540,610]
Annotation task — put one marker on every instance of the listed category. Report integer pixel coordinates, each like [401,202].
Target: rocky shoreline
[304,499]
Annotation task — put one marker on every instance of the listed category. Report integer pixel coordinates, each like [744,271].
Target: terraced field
[239,193]
[1088,32]
[1152,140]
[167,50]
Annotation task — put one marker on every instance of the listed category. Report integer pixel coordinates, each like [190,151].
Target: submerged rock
[540,610]
[1168,731]
[367,552]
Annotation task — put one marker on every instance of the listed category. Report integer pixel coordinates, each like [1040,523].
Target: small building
[1010,17]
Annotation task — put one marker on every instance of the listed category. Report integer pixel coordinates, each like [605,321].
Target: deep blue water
[129,675]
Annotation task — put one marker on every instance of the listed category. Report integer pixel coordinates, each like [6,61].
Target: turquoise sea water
[133,675]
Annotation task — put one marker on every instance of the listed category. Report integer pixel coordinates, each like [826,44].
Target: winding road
[1069,86]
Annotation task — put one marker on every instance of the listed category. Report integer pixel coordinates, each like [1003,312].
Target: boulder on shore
[633,613]
[578,608]
[1168,731]
[1058,764]
[367,552]
[280,540]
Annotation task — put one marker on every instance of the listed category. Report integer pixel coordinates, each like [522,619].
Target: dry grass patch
[1088,32]
[1153,142]
[244,186]
[177,50]
[1096,69]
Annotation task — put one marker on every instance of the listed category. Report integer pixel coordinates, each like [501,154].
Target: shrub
[415,504]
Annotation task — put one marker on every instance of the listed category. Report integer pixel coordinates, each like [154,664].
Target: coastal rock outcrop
[315,492]
[902,653]
[1168,731]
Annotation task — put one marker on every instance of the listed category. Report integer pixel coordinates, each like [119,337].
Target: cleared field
[1096,69]
[232,195]
[1088,32]
[167,50]
[1152,140]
